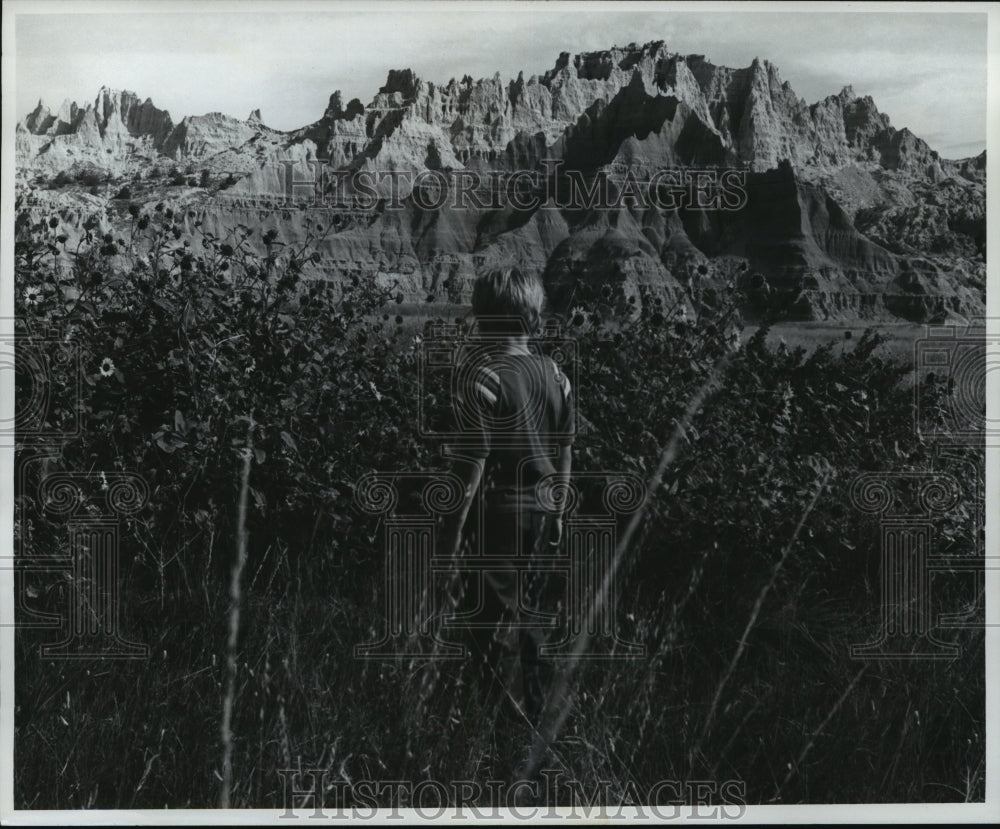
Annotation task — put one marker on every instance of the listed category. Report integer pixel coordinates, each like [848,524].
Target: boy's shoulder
[561,378]
[490,378]
[484,382]
[540,366]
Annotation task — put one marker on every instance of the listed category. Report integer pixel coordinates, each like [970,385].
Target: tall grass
[232,652]
[746,583]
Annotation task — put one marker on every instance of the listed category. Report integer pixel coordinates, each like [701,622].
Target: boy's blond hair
[508,292]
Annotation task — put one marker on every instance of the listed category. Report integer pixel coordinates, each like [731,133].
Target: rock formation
[844,216]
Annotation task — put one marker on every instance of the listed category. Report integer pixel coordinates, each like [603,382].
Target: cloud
[926,70]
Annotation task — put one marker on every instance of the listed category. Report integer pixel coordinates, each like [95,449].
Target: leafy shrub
[87,177]
[204,343]
[196,351]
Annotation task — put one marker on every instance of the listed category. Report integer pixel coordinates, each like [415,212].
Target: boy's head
[507,292]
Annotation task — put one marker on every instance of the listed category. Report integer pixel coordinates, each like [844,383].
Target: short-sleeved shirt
[517,409]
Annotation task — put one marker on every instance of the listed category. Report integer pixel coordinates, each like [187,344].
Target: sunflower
[32,295]
[578,316]
[107,367]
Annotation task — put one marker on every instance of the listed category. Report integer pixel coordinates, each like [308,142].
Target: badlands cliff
[844,215]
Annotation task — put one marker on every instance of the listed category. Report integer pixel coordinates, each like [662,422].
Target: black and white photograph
[523,412]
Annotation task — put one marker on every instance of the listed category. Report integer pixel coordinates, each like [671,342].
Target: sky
[926,70]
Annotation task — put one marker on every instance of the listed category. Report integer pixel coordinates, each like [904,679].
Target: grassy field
[900,337]
[252,412]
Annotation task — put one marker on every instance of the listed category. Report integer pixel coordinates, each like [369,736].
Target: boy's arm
[476,398]
[470,473]
[564,464]
[564,461]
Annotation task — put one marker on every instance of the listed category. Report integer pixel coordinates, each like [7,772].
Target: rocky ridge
[846,216]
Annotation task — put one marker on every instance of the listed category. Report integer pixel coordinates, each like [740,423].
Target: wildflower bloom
[578,316]
[107,367]
[32,295]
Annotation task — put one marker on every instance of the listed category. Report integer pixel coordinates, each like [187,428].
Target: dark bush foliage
[197,351]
